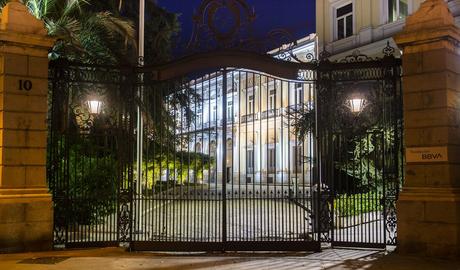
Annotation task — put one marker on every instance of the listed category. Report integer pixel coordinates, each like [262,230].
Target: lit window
[198,117]
[198,147]
[250,161]
[397,9]
[297,154]
[344,21]
[299,94]
[271,159]
[214,114]
[213,148]
[272,100]
[230,111]
[250,104]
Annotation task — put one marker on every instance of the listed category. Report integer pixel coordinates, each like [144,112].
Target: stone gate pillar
[25,203]
[429,204]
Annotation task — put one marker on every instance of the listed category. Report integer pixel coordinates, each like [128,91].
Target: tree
[103,31]
[355,142]
[83,34]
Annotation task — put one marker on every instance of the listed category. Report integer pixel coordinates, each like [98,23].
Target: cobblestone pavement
[115,258]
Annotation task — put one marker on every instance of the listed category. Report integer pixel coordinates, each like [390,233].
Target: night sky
[296,16]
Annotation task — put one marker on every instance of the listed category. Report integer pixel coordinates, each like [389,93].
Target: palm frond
[73,6]
[48,6]
[3,3]
[117,26]
[34,7]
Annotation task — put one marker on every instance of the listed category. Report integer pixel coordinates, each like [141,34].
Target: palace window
[297,154]
[250,108]
[250,161]
[272,100]
[299,93]
[198,117]
[214,114]
[397,9]
[271,159]
[213,148]
[344,21]
[198,147]
[230,111]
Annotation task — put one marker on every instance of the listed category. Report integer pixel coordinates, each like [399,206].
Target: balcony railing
[270,113]
[249,118]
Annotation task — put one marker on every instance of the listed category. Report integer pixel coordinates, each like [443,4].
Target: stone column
[429,204]
[26,220]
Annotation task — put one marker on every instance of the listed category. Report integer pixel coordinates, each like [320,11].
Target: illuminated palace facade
[261,144]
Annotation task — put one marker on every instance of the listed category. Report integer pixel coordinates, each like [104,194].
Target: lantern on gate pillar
[94,106]
[356,103]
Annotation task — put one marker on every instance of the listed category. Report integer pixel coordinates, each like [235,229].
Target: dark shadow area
[229,254]
[395,261]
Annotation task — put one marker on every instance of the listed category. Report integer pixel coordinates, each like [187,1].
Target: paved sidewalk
[115,258]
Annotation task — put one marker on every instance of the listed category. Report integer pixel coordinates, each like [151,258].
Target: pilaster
[26,214]
[429,204]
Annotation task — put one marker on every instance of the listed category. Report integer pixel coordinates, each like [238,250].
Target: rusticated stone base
[429,222]
[26,222]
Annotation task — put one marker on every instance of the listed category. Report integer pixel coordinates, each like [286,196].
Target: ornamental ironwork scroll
[221,24]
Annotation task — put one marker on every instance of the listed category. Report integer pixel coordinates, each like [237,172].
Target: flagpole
[140,125]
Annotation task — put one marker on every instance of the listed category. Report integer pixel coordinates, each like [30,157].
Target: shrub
[355,204]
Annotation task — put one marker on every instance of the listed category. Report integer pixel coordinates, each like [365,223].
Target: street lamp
[356,104]
[94,106]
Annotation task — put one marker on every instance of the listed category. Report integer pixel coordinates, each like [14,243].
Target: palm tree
[83,34]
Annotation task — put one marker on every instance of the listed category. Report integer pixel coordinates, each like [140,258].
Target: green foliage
[98,189]
[351,205]
[103,31]
[164,103]
[83,34]
[188,167]
[161,186]
[361,162]
[159,34]
[92,182]
[303,120]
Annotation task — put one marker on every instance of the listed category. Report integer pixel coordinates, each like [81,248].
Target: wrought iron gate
[361,150]
[229,171]
[90,153]
[239,152]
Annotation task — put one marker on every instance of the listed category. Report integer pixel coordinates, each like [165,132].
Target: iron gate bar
[224,155]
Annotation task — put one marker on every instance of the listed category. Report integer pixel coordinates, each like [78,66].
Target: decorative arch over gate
[216,60]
